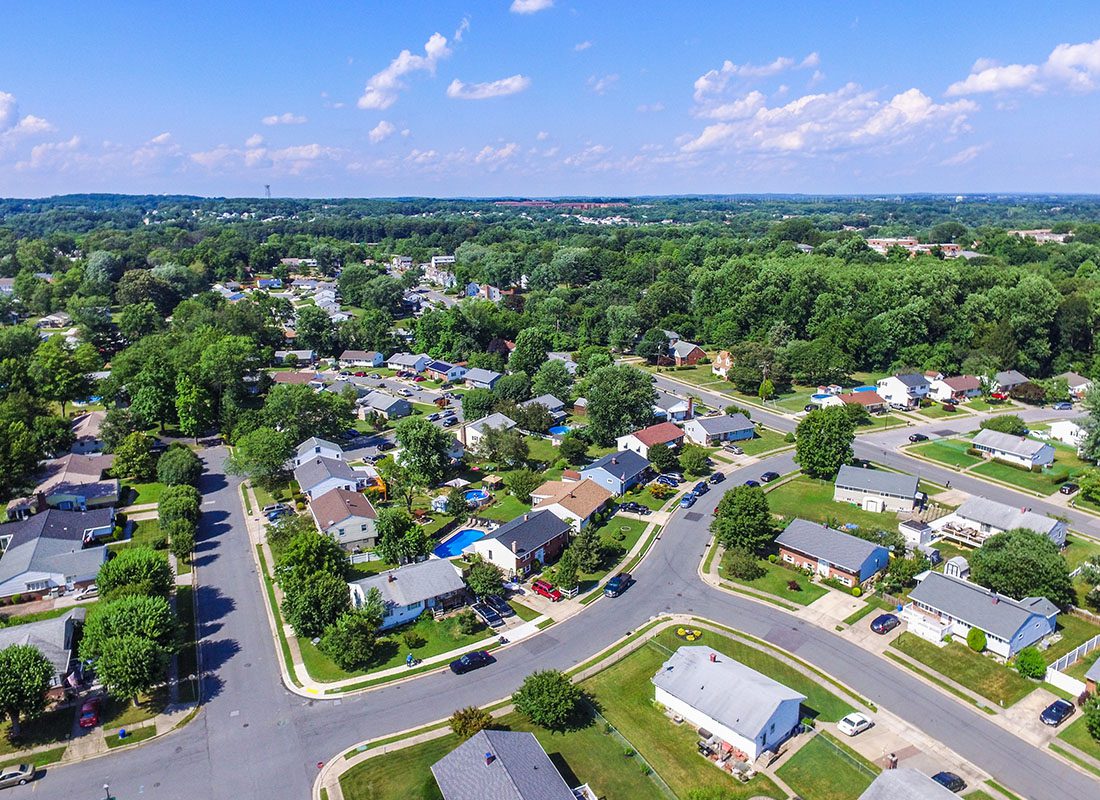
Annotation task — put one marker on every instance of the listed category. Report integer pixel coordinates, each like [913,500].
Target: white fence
[1076,654]
[363,558]
[1065,682]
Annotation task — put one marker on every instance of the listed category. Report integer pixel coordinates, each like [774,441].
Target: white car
[854,723]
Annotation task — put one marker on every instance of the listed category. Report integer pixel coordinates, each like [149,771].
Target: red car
[89,713]
[418,378]
[547,590]
[360,374]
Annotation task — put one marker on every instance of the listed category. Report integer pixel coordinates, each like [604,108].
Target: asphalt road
[254,738]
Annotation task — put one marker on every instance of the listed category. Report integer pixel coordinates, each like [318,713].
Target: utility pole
[267,190]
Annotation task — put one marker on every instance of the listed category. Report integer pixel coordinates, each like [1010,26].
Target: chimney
[614,460]
[691,406]
[515,547]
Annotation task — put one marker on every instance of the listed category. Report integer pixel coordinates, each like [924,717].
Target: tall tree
[25,676]
[261,456]
[823,442]
[424,450]
[60,374]
[553,378]
[532,345]
[1022,563]
[194,408]
[130,664]
[620,400]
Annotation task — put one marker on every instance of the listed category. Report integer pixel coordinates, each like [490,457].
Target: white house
[409,362]
[1007,380]
[978,518]
[319,475]
[360,358]
[672,408]
[640,441]
[1019,450]
[709,431]
[739,706]
[470,435]
[875,489]
[407,591]
[1079,385]
[574,502]
[478,378]
[723,363]
[905,390]
[347,516]
[313,447]
[86,432]
[958,387]
[905,783]
[1069,431]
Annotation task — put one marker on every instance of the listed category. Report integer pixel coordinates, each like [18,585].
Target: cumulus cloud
[383,130]
[581,46]
[13,126]
[292,160]
[484,91]
[530,6]
[715,81]
[255,140]
[384,87]
[50,154]
[600,84]
[964,156]
[162,138]
[495,155]
[288,118]
[1075,67]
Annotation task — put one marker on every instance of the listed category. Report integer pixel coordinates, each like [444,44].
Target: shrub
[773,558]
[349,641]
[857,591]
[135,570]
[413,639]
[743,565]
[465,722]
[1030,664]
[975,640]
[466,622]
[178,465]
[548,698]
[794,586]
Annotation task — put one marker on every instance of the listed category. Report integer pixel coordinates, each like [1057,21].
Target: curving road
[254,738]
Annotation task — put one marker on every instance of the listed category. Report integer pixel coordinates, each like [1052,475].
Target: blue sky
[548,97]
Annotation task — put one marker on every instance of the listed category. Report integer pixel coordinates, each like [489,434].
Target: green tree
[456,502]
[179,465]
[117,425]
[574,450]
[766,390]
[484,579]
[1090,448]
[313,602]
[477,403]
[299,412]
[588,549]
[553,378]
[129,665]
[148,617]
[976,640]
[350,640]
[694,460]
[25,676]
[652,345]
[1091,710]
[663,458]
[823,442]
[549,699]
[1030,663]
[424,450]
[139,320]
[153,391]
[1022,563]
[565,570]
[1005,423]
[400,482]
[742,563]
[522,482]
[465,722]
[18,458]
[261,456]
[61,374]
[194,407]
[399,538]
[315,330]
[504,445]
[620,400]
[743,519]
[134,458]
[532,345]
[181,501]
[135,570]
[181,538]
[310,552]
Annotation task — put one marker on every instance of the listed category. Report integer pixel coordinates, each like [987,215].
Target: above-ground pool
[453,547]
[476,497]
[559,430]
[820,397]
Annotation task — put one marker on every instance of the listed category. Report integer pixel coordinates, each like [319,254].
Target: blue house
[473,289]
[270,283]
[831,554]
[617,472]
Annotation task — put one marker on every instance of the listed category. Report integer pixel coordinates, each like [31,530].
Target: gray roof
[1007,443]
[1093,673]
[905,783]
[479,375]
[624,464]
[313,442]
[384,401]
[1073,380]
[725,423]
[1004,517]
[53,638]
[496,420]
[52,543]
[841,549]
[414,583]
[548,401]
[682,348]
[666,401]
[725,690]
[316,470]
[977,606]
[517,769]
[530,531]
[301,355]
[912,380]
[895,484]
[407,359]
[1009,376]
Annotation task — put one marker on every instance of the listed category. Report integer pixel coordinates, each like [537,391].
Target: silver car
[16,775]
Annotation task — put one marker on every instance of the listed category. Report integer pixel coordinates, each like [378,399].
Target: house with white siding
[1018,450]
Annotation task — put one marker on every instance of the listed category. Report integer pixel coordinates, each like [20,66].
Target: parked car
[809,407]
[406,393]
[90,592]
[884,623]
[687,501]
[385,445]
[854,724]
[1063,405]
[950,781]
[433,417]
[488,616]
[918,437]
[1068,488]
[360,374]
[951,401]
[700,489]
[676,476]
[664,480]
[634,508]
[277,513]
[617,585]
[547,590]
[716,477]
[471,661]
[768,477]
[1057,713]
[752,483]
[449,421]
[274,507]
[737,451]
[375,376]
[16,775]
[500,605]
[418,378]
[89,713]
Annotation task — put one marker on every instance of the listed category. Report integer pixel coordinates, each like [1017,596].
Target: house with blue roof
[618,472]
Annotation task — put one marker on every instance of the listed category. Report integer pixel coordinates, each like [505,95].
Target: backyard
[812,499]
[1074,631]
[825,769]
[137,494]
[980,674]
[776,581]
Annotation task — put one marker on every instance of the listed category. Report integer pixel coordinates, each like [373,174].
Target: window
[788,558]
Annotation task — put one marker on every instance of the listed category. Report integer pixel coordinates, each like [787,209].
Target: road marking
[234,713]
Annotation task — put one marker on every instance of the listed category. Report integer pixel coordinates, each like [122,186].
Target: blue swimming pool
[476,496]
[559,430]
[453,547]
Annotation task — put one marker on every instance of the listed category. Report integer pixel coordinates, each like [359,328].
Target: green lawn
[1045,482]
[132,737]
[142,493]
[365,569]
[440,636]
[1075,631]
[1078,736]
[524,612]
[619,535]
[981,404]
[951,452]
[582,756]
[776,581]
[50,727]
[765,439]
[824,769]
[872,603]
[1078,550]
[978,673]
[22,619]
[641,494]
[812,499]
[1078,668]
[505,508]
[937,411]
[543,450]
[43,758]
[121,713]
[281,494]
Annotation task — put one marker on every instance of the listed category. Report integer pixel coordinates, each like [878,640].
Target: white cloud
[715,81]
[288,118]
[964,156]
[13,127]
[461,29]
[530,6]
[383,130]
[162,138]
[580,47]
[542,136]
[484,91]
[50,154]
[651,108]
[255,140]
[383,87]
[494,156]
[416,156]
[292,160]
[601,83]
[1075,67]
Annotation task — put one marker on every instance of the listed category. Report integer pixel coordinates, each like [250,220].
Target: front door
[822,567]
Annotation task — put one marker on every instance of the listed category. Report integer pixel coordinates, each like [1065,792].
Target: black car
[918,437]
[716,477]
[449,421]
[949,781]
[809,407]
[500,605]
[488,616]
[386,445]
[471,661]
[768,477]
[884,623]
[1057,713]
[752,483]
[1068,488]
[700,488]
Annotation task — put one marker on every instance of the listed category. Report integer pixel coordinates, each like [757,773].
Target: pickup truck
[617,585]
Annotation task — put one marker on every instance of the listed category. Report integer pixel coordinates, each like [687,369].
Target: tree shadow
[210,687]
[217,653]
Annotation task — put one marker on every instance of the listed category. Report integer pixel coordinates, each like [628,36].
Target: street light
[107,791]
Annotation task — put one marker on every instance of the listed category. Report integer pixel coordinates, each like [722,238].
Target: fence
[1077,653]
[631,751]
[844,754]
[363,558]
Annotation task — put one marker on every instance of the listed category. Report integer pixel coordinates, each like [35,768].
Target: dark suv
[884,623]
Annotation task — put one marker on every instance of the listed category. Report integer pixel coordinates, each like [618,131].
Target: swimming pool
[475,497]
[559,430]
[453,547]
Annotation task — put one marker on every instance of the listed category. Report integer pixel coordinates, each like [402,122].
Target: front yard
[776,580]
[766,439]
[618,535]
[826,769]
[1078,735]
[138,494]
[951,452]
[1045,482]
[812,499]
[980,674]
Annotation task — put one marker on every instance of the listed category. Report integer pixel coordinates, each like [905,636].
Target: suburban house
[575,502]
[478,378]
[444,371]
[617,472]
[361,358]
[681,354]
[671,408]
[959,387]
[515,546]
[408,362]
[314,447]
[553,405]
[565,358]
[300,378]
[737,705]
[978,518]
[710,431]
[1069,431]
[640,441]
[320,475]
[942,606]
[905,390]
[875,490]
[346,516]
[1018,450]
[831,554]
[76,482]
[871,400]
[503,765]
[388,405]
[86,430]
[1079,385]
[345,385]
[723,363]
[470,434]
[406,591]
[269,283]
[53,551]
[55,639]
[301,357]
[905,783]
[1007,380]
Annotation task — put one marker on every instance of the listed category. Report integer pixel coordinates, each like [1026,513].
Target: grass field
[979,674]
[505,508]
[1081,666]
[1078,550]
[1075,631]
[43,758]
[951,452]
[872,603]
[619,535]
[50,727]
[1046,482]
[825,769]
[812,499]
[765,439]
[142,493]
[22,619]
[132,737]
[776,581]
[1078,736]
